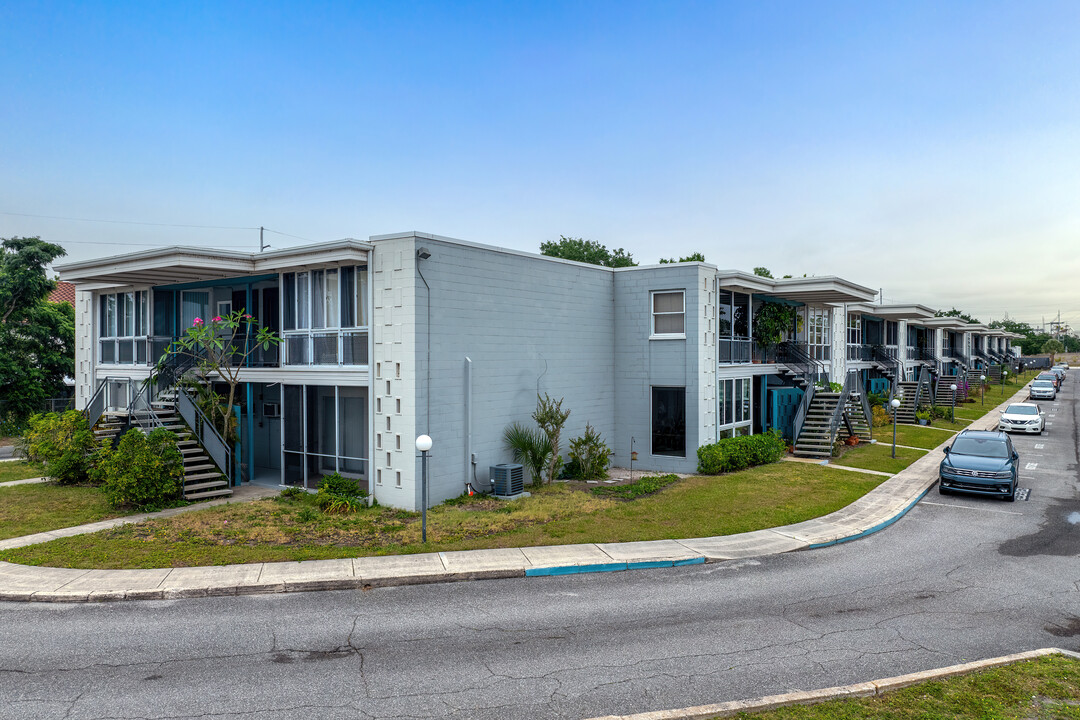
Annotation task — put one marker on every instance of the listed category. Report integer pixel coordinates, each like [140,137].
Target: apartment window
[892,332]
[854,329]
[669,421]
[818,341]
[669,314]
[325,431]
[326,316]
[734,311]
[123,326]
[734,411]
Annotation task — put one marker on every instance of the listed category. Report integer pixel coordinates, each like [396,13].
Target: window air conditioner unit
[271,410]
[508,479]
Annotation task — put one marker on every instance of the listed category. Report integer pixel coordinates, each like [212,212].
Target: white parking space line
[1031,466]
[970,507]
[1040,446]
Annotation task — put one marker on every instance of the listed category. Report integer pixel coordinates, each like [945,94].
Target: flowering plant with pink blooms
[220,349]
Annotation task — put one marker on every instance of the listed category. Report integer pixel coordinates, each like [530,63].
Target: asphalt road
[957,579]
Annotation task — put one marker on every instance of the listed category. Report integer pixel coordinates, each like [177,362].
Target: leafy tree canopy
[956,314]
[764,272]
[586,251]
[694,257]
[37,338]
[1021,328]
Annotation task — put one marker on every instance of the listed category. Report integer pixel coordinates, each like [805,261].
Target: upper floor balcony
[316,299]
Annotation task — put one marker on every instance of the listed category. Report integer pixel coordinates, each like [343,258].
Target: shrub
[880,417]
[739,453]
[338,494]
[530,448]
[144,472]
[877,399]
[62,443]
[292,492]
[591,454]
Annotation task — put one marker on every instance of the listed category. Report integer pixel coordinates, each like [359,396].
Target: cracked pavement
[957,579]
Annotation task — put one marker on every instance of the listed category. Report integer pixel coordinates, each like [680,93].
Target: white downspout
[468,421]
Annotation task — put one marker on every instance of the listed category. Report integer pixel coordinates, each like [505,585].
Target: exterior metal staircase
[815,439]
[943,396]
[160,403]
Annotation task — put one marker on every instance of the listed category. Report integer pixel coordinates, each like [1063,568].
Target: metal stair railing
[841,407]
[928,355]
[795,356]
[205,432]
[868,414]
[800,413]
[96,407]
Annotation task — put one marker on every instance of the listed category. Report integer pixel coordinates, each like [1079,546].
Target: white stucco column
[939,346]
[839,343]
[901,341]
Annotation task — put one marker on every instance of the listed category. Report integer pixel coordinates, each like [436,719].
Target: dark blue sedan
[980,462]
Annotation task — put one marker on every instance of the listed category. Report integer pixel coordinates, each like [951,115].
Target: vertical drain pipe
[468,421]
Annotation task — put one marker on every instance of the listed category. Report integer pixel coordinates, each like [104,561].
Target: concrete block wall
[85,355]
[394,466]
[641,364]
[528,324]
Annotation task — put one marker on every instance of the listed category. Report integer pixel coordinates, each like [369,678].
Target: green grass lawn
[1044,688]
[295,529]
[19,470]
[920,436]
[879,457]
[34,508]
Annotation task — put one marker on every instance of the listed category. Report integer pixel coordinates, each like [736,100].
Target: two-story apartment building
[409,334]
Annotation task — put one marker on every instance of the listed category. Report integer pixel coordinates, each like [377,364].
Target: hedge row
[739,453]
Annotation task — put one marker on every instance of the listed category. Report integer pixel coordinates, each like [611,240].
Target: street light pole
[982,388]
[952,408]
[1004,377]
[423,444]
[895,403]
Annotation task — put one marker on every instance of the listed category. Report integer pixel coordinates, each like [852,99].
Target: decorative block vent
[508,478]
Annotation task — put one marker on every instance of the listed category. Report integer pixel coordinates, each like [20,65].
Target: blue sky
[929,149]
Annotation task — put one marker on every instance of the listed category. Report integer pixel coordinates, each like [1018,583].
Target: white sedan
[1022,417]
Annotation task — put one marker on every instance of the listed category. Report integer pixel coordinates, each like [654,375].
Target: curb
[880,508]
[865,689]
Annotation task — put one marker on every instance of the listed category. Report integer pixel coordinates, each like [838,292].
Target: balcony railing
[731,351]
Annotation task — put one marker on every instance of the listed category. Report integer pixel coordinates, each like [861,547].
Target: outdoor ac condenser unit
[508,479]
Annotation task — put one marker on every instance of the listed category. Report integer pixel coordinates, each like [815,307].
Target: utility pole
[262,243]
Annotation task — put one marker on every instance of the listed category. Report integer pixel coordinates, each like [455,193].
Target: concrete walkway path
[873,512]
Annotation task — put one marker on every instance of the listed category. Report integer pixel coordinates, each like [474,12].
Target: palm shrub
[551,418]
[530,448]
[144,471]
[62,443]
[590,455]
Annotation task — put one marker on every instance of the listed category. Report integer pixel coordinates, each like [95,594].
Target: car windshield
[1021,410]
[983,447]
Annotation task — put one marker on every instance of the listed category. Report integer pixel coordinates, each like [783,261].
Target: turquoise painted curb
[876,528]
[611,567]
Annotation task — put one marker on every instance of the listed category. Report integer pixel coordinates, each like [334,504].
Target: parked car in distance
[980,462]
[1042,390]
[1049,377]
[1022,417]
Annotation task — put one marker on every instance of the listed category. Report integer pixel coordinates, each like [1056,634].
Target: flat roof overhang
[826,290]
[744,282]
[173,265]
[893,312]
[947,323]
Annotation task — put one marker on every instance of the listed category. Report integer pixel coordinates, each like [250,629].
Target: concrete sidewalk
[874,511]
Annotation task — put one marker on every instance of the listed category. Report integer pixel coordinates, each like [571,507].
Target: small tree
[692,257]
[551,418]
[219,348]
[1052,347]
[586,251]
[762,271]
[530,448]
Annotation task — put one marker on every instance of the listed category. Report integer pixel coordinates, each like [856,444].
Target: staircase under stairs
[860,424]
[993,373]
[202,478]
[944,396]
[906,394]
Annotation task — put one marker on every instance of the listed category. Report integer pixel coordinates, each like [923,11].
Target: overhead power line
[130,222]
